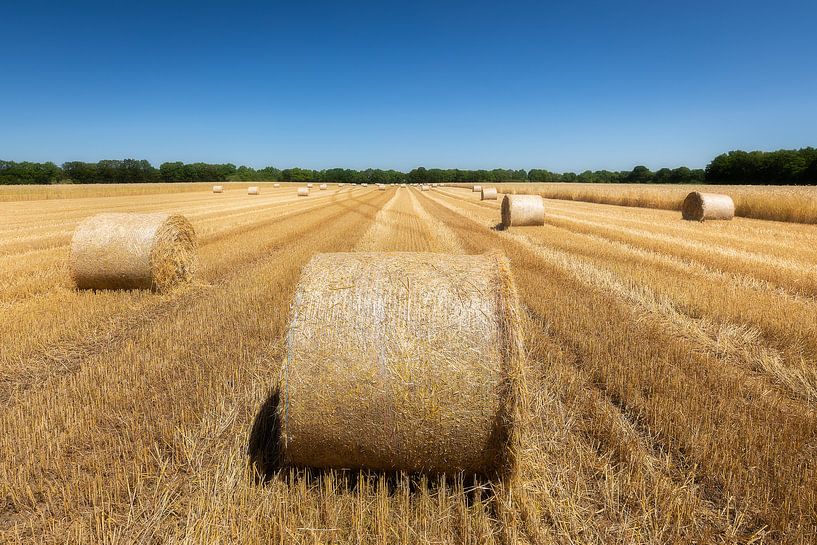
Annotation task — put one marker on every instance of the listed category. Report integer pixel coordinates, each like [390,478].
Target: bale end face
[488,194]
[414,370]
[522,210]
[133,251]
[699,206]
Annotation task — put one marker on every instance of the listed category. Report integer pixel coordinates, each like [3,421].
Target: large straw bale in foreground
[133,251]
[252,190]
[402,361]
[218,189]
[303,191]
[707,206]
[520,210]
[488,194]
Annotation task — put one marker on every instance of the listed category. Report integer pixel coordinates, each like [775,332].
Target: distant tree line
[781,167]
[735,167]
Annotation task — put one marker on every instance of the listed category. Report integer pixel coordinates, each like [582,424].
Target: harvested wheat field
[667,391]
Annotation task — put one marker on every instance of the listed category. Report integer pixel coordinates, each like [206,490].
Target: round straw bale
[218,189]
[381,187]
[488,194]
[477,189]
[303,191]
[424,188]
[309,186]
[401,361]
[276,185]
[252,190]
[402,185]
[707,206]
[133,251]
[322,187]
[518,210]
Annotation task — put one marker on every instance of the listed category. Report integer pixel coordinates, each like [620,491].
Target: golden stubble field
[671,378]
[779,203]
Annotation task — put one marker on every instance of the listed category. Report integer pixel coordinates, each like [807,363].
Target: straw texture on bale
[303,191]
[218,189]
[276,185]
[707,206]
[133,251]
[322,187]
[488,194]
[252,190]
[402,361]
[520,210]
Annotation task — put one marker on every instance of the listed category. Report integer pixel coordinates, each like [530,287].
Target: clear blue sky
[557,85]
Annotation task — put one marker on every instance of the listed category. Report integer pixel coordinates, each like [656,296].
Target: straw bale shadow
[266,456]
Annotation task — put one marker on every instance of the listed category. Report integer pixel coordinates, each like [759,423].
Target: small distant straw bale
[218,189]
[707,206]
[488,194]
[276,185]
[133,251]
[401,361]
[252,190]
[424,188]
[520,210]
[477,189]
[322,187]
[303,191]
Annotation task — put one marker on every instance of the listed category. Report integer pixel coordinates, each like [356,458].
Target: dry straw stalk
[488,194]
[520,210]
[133,251]
[402,361]
[707,206]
